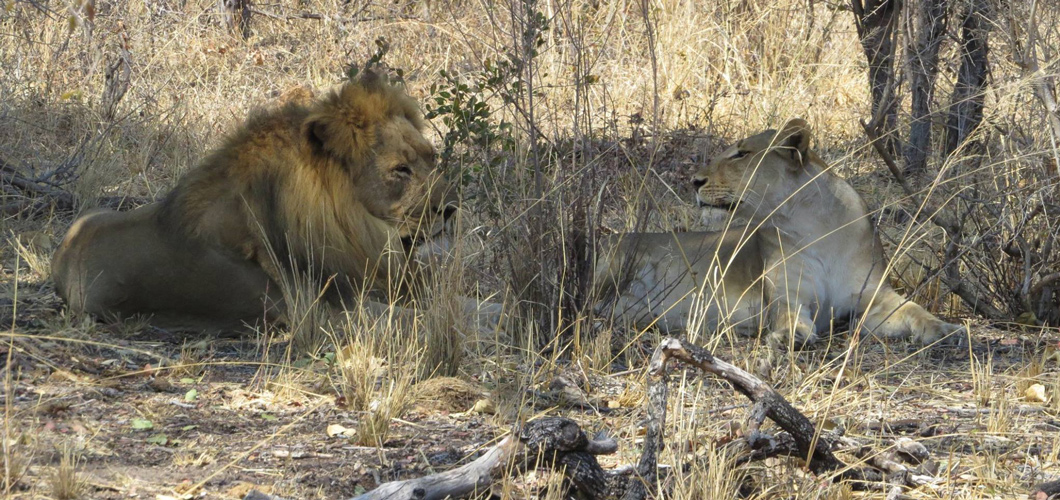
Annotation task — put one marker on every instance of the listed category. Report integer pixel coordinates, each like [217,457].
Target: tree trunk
[876,21]
[923,60]
[966,108]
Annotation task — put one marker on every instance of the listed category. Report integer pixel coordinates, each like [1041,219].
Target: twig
[801,437]
[62,199]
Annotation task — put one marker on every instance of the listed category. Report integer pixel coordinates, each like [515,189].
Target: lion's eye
[739,154]
[403,170]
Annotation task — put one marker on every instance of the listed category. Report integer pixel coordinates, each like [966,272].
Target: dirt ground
[149,414]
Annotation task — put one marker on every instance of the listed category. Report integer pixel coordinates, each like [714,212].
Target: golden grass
[18,455]
[66,482]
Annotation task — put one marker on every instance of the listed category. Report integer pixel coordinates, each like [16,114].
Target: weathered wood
[648,466]
[475,476]
[552,442]
[815,451]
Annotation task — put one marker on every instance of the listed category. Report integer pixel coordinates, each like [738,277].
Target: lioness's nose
[698,183]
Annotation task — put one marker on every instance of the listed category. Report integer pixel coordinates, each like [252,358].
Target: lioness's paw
[803,337]
[938,331]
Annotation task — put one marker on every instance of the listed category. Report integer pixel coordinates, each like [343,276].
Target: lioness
[807,254]
[341,187]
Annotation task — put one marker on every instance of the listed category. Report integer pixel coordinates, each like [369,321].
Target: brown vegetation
[560,122]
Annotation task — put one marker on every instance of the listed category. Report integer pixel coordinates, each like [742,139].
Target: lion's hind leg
[893,316]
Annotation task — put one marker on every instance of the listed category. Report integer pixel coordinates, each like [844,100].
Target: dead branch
[801,436]
[61,199]
[551,442]
[767,404]
[648,467]
[477,475]
[40,196]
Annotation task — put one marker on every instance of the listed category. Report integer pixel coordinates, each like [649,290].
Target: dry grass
[18,456]
[66,482]
[623,104]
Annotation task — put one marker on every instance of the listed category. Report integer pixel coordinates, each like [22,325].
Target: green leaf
[159,439]
[191,395]
[187,380]
[268,416]
[187,428]
[142,424]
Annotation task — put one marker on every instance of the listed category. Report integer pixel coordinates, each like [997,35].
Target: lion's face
[756,175]
[373,130]
[407,188]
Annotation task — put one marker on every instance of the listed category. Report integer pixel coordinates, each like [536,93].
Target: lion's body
[336,188]
[183,284]
[809,253]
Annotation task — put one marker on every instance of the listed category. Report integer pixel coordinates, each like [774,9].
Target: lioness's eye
[403,169]
[739,154]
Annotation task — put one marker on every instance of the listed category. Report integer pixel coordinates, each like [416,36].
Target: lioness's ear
[795,139]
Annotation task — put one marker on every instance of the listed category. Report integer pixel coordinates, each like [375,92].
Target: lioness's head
[373,131]
[758,174]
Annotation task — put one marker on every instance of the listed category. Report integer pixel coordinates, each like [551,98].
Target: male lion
[807,254]
[340,188]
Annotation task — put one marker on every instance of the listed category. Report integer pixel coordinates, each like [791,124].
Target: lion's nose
[698,183]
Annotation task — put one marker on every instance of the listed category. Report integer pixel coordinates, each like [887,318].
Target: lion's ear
[795,140]
[371,80]
[342,126]
[316,134]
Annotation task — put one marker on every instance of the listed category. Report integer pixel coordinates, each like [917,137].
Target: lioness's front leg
[891,315]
